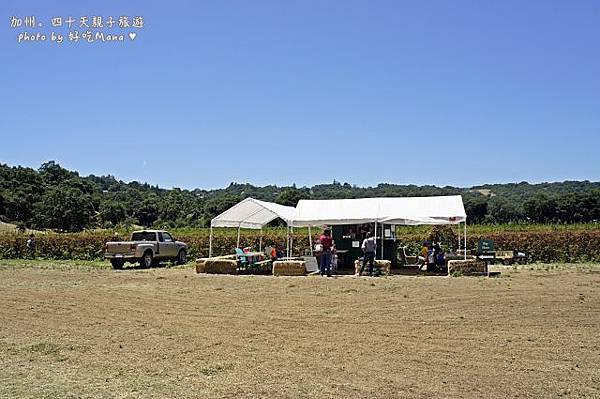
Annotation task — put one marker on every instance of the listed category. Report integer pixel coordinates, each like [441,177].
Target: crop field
[543,243]
[81,329]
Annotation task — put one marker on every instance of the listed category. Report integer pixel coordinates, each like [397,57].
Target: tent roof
[394,210]
[252,214]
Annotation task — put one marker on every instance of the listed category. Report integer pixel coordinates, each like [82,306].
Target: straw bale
[384,265]
[467,267]
[220,266]
[289,268]
[200,262]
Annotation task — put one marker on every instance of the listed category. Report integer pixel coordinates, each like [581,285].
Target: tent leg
[375,235]
[287,241]
[210,242]
[382,234]
[260,241]
[310,241]
[238,238]
[291,240]
[465,239]
[459,238]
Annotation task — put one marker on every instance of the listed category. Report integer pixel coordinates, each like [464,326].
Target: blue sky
[281,92]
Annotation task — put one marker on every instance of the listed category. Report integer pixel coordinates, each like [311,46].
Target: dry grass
[91,333]
[9,228]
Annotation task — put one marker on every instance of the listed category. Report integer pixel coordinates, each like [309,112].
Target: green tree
[112,213]
[476,208]
[541,208]
[147,213]
[291,196]
[18,206]
[503,210]
[65,209]
[216,206]
[53,173]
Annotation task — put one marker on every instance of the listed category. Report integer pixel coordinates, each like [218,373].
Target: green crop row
[566,245]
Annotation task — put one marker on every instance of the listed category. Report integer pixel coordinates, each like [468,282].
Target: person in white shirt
[369,246]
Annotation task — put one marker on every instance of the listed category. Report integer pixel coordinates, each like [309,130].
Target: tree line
[53,197]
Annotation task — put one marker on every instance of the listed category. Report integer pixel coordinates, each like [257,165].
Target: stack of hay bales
[289,268]
[467,267]
[201,263]
[384,265]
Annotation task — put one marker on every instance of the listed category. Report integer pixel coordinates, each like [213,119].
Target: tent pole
[238,239]
[291,240]
[210,242]
[310,241]
[260,241]
[287,242]
[465,239]
[375,235]
[382,235]
[459,238]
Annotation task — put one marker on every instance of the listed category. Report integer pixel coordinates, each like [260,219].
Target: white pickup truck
[148,247]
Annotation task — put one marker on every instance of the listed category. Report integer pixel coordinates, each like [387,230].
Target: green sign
[485,246]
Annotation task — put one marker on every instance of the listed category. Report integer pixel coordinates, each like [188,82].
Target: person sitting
[440,257]
[423,254]
[436,259]
[279,253]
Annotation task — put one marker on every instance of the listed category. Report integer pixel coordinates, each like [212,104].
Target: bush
[544,246]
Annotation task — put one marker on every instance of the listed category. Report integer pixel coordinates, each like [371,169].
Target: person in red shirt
[326,244]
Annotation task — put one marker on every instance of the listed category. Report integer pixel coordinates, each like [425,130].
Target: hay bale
[200,262]
[220,266]
[467,267]
[384,265]
[289,268]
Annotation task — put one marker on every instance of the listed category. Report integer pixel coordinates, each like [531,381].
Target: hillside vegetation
[53,197]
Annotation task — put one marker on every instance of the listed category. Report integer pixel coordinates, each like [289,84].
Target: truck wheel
[147,260]
[181,257]
[117,263]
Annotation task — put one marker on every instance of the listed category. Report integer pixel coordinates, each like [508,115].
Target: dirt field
[88,332]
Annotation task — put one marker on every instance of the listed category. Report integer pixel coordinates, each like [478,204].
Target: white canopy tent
[389,210]
[251,214]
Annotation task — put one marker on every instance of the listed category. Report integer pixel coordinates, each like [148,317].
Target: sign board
[311,264]
[485,246]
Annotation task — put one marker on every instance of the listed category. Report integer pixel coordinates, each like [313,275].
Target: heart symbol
[132,35]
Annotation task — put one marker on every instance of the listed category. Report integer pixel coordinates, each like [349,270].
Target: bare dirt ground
[68,332]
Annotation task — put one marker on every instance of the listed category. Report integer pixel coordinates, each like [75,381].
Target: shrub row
[89,245]
[543,246]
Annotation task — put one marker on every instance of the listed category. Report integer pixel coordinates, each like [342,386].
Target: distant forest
[53,197]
